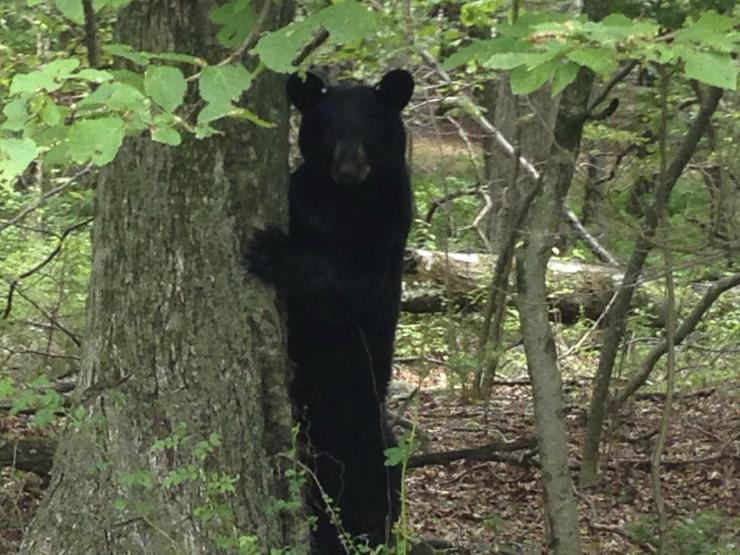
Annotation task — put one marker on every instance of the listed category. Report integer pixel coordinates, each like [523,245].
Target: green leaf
[237,19]
[57,155]
[7,387]
[600,60]
[507,60]
[712,30]
[347,21]
[394,456]
[718,70]
[51,114]
[115,95]
[61,69]
[166,86]
[214,111]
[278,49]
[525,81]
[221,84]
[166,135]
[125,51]
[618,28]
[565,74]
[95,139]
[15,155]
[94,75]
[484,50]
[114,4]
[128,77]
[16,115]
[71,9]
[32,82]
[466,54]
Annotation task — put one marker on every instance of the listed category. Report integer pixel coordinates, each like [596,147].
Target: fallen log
[500,451]
[435,278]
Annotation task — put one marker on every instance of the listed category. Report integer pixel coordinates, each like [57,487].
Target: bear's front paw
[265,255]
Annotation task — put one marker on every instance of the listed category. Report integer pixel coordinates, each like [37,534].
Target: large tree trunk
[181,345]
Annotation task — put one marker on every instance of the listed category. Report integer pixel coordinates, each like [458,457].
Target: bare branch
[43,198]
[40,265]
[496,451]
[686,327]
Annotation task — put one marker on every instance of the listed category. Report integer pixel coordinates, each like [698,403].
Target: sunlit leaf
[97,140]
[166,86]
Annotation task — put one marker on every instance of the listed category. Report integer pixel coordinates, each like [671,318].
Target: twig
[590,330]
[590,241]
[318,39]
[43,198]
[472,108]
[496,451]
[40,265]
[686,327]
[619,76]
[46,315]
[644,545]
[670,335]
[444,199]
[253,37]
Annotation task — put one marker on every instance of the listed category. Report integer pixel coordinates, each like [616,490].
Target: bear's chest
[349,217]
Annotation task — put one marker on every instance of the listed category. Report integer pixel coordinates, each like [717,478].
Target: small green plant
[706,533]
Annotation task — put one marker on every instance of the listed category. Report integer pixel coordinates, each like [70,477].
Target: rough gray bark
[616,317]
[539,345]
[531,263]
[593,198]
[180,343]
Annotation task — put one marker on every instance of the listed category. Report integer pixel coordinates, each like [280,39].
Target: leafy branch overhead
[65,113]
[551,47]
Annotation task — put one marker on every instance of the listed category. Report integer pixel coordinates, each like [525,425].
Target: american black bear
[339,271]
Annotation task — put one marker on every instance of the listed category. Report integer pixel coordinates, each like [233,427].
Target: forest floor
[496,507]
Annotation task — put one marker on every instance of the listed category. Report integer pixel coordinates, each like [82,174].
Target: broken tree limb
[589,240]
[500,451]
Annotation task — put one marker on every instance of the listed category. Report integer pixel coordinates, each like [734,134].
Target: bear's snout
[349,164]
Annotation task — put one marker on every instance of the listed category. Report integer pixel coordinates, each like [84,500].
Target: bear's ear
[395,88]
[304,94]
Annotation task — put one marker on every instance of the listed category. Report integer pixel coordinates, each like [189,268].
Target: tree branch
[467,104]
[91,33]
[496,451]
[686,327]
[40,265]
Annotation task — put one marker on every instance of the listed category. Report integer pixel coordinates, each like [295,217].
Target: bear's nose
[349,165]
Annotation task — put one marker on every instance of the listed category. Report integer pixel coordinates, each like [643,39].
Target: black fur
[339,269]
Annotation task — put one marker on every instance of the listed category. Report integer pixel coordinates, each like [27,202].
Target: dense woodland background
[597,414]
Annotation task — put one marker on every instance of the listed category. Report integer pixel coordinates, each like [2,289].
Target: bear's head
[351,134]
